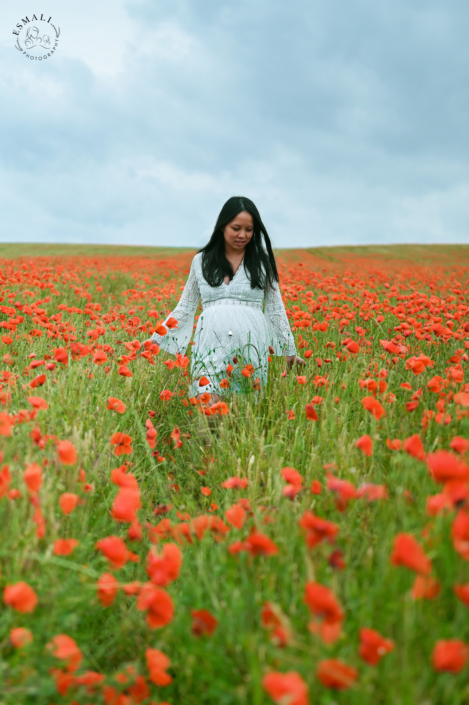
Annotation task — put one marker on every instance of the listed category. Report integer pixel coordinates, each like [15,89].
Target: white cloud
[344,123]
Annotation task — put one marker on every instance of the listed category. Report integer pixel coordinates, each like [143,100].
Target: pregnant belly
[223,329]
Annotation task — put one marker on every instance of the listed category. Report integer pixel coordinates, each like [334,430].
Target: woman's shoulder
[197,259]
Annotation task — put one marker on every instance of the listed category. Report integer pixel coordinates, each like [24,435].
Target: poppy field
[308,544]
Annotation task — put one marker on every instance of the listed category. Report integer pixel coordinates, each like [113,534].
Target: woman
[234,275]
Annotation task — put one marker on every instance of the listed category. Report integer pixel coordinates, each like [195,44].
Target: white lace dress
[236,328]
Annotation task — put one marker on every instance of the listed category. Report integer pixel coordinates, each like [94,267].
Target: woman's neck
[234,255]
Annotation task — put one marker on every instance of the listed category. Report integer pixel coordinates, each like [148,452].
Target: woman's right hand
[295,358]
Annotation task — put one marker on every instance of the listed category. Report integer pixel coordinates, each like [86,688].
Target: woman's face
[239,231]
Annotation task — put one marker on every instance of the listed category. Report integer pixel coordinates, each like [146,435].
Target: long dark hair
[259,264]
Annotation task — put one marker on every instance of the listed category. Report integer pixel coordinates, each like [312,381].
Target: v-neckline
[235,274]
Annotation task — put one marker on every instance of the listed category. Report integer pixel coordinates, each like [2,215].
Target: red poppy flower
[258,544]
[65,648]
[20,636]
[171,323]
[107,587]
[447,467]
[164,567]
[38,381]
[64,547]
[286,688]
[375,408]
[235,483]
[68,501]
[122,443]
[33,477]
[67,452]
[236,516]
[311,412]
[460,534]
[462,592]
[324,605]
[158,605]
[157,663]
[336,674]
[61,355]
[203,623]
[373,646]
[365,444]
[317,529]
[450,655]
[126,504]
[115,550]
[38,402]
[414,447]
[114,404]
[6,424]
[409,553]
[425,587]
[20,597]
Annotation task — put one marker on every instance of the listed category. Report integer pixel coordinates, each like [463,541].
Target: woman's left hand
[294,358]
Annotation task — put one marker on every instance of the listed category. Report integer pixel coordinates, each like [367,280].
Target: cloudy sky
[346,122]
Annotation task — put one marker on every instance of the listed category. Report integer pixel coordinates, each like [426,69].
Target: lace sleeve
[177,339]
[277,322]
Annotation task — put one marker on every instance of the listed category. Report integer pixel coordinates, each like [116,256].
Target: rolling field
[311,545]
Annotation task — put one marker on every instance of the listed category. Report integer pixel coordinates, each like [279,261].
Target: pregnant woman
[236,277]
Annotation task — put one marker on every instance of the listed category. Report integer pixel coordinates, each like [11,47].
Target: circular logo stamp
[37,38]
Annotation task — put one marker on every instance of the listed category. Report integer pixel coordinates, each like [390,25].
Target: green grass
[255,440]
